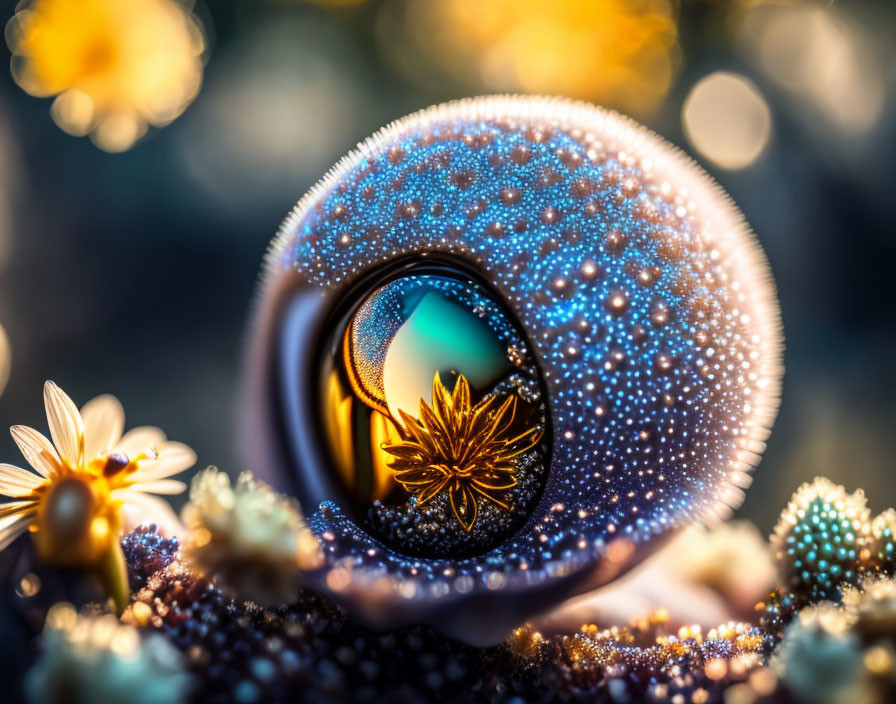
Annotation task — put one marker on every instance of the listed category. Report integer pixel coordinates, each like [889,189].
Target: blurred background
[129,256]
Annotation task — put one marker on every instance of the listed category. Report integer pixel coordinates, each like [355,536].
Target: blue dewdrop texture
[651,357]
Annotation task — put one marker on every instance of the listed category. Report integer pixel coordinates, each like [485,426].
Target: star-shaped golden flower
[460,448]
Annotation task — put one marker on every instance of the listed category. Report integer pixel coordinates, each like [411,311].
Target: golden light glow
[727,120]
[461,449]
[620,53]
[338,427]
[116,66]
[84,482]
[382,432]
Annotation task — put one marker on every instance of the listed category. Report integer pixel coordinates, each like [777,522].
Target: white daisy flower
[89,485]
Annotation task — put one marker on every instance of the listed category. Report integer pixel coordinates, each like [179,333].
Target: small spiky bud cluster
[883,532]
[252,540]
[822,539]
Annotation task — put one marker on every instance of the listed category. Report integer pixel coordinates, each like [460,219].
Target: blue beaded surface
[642,292]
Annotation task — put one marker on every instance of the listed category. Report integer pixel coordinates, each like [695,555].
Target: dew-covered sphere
[501,352]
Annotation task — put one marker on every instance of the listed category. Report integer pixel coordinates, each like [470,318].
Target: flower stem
[113,570]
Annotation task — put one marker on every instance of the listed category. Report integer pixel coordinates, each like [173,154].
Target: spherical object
[623,293]
[727,120]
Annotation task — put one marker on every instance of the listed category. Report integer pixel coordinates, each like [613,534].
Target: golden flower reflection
[727,120]
[116,66]
[620,53]
[463,449]
[86,484]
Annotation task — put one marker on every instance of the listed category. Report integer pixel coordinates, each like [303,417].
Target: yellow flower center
[76,520]
[459,471]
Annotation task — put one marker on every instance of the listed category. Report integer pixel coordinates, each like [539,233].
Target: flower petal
[418,477]
[103,424]
[432,490]
[39,451]
[16,482]
[141,508]
[491,497]
[137,440]
[66,426]
[463,503]
[16,507]
[161,486]
[173,458]
[12,527]
[494,481]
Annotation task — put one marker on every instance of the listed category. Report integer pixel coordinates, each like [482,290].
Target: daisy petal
[103,424]
[137,440]
[10,518]
[16,507]
[39,451]
[161,486]
[12,529]
[141,508]
[174,458]
[17,482]
[66,426]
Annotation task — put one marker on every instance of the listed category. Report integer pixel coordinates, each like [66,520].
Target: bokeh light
[10,174]
[619,53]
[821,59]
[116,66]
[5,359]
[280,104]
[727,120]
